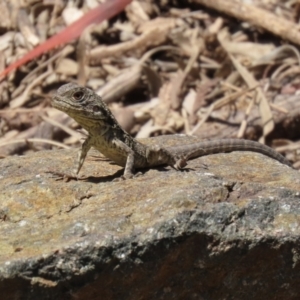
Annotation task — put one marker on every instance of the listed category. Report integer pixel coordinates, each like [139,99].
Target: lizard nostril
[96,108]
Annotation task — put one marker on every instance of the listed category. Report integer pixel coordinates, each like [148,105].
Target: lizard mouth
[62,105]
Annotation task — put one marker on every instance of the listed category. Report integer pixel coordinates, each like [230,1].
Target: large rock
[228,228]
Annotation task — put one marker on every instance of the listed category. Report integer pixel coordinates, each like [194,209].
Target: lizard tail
[226,145]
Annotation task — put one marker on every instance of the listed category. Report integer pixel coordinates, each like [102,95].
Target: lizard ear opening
[78,96]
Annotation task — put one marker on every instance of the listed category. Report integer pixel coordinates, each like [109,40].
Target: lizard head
[83,105]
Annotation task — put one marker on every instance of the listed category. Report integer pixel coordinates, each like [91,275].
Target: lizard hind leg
[157,154]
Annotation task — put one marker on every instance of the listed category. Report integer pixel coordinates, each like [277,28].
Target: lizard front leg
[86,146]
[80,159]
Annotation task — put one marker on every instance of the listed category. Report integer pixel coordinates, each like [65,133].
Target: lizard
[107,136]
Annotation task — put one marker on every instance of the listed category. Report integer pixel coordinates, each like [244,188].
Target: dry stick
[176,101]
[23,98]
[127,80]
[244,123]
[23,110]
[234,88]
[277,53]
[82,58]
[34,140]
[30,76]
[198,46]
[279,108]
[71,132]
[151,37]
[218,104]
[68,49]
[263,104]
[279,70]
[184,114]
[292,71]
[257,16]
[290,147]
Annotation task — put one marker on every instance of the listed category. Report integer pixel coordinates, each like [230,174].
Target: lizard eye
[78,95]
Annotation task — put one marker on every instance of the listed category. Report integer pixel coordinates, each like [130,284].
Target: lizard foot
[127,176]
[63,176]
[121,178]
[180,163]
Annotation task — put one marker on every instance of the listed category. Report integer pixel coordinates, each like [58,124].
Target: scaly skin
[107,136]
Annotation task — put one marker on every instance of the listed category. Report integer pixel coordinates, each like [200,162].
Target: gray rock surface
[228,228]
